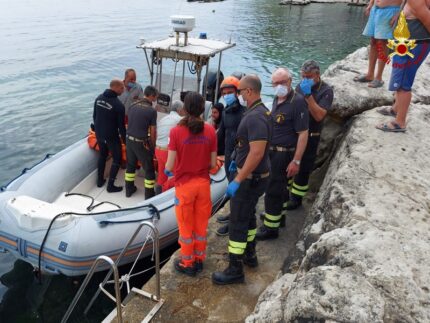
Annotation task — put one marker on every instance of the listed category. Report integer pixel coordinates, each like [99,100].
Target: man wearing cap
[133,91]
[163,130]
[290,120]
[319,98]
[230,119]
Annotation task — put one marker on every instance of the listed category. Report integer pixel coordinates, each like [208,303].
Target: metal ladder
[114,269]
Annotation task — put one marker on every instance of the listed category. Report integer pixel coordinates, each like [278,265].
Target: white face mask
[281,91]
[242,101]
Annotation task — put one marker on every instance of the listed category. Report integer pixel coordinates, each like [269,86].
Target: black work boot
[198,265]
[101,182]
[264,233]
[294,203]
[282,224]
[149,192]
[223,218]
[130,188]
[179,266]
[222,231]
[111,188]
[250,257]
[233,274]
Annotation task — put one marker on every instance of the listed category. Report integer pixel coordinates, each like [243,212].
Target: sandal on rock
[387,111]
[390,127]
[375,83]
[362,79]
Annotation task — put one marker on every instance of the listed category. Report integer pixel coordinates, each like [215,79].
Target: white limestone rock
[371,260]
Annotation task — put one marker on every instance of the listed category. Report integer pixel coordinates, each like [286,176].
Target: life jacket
[219,164]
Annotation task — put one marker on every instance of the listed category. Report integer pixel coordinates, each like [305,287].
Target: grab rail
[78,295]
[155,297]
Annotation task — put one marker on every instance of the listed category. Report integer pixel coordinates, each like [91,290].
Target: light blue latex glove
[168,173]
[232,167]
[306,86]
[232,189]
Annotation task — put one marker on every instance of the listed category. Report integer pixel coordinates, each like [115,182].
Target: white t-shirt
[164,126]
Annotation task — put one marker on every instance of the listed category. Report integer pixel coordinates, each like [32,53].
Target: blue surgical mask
[229,98]
[131,85]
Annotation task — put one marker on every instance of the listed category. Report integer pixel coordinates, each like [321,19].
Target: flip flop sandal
[386,127]
[388,111]
[375,84]
[362,79]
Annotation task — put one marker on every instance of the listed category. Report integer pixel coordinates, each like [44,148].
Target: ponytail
[194,106]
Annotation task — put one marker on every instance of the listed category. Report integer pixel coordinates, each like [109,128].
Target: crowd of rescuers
[267,150]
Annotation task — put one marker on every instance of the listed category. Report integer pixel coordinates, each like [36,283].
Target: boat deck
[88,187]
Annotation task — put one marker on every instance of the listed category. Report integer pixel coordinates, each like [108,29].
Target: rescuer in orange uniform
[193,146]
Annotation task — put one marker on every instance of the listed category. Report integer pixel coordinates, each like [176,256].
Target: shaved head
[251,81]
[117,85]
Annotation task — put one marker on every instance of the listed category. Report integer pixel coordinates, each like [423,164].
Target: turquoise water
[57,56]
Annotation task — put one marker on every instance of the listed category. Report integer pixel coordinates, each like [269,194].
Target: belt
[282,149]
[161,148]
[136,139]
[252,175]
[314,134]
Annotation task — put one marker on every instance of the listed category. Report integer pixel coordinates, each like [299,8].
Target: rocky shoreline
[359,252]
[366,241]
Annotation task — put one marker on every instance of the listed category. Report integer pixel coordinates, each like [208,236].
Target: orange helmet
[230,81]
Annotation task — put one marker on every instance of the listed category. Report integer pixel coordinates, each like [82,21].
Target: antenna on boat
[182,24]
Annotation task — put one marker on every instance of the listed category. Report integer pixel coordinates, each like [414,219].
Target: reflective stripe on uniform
[237,248]
[199,253]
[129,177]
[251,235]
[301,188]
[149,183]
[272,218]
[185,240]
[290,184]
[199,238]
[269,224]
[185,257]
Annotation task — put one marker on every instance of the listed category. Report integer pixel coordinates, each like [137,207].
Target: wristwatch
[308,95]
[297,162]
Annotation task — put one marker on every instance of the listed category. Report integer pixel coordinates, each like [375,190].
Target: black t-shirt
[141,115]
[323,95]
[254,126]
[289,118]
[108,116]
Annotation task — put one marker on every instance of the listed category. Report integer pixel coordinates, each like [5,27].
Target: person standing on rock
[290,120]
[417,14]
[251,173]
[108,117]
[192,152]
[382,16]
[319,98]
[230,119]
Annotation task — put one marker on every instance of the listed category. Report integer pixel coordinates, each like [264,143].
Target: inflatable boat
[54,216]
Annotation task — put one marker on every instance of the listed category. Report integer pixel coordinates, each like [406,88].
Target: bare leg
[403,100]
[373,55]
[382,49]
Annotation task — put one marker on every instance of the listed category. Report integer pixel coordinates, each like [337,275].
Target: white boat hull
[30,202]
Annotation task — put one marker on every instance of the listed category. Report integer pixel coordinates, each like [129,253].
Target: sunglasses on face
[239,90]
